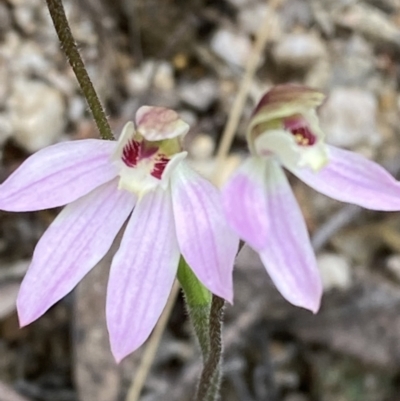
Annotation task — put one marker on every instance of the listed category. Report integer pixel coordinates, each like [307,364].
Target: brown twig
[151,347]
[236,111]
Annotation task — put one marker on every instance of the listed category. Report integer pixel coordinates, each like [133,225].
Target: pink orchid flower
[259,202]
[174,211]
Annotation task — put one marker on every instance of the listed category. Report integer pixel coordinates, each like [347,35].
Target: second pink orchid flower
[260,205]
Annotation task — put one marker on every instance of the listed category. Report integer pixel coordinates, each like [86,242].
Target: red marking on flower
[130,153]
[159,167]
[134,151]
[145,152]
[300,130]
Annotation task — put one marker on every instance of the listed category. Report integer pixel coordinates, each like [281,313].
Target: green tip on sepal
[195,292]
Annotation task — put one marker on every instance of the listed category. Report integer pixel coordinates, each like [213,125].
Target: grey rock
[253,16]
[299,50]
[352,61]
[138,80]
[295,13]
[37,113]
[164,76]
[202,147]
[370,22]
[200,94]
[349,118]
[231,46]
[25,15]
[30,60]
[335,271]
[77,107]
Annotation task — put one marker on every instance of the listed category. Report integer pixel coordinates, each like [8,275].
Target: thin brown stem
[151,348]
[68,44]
[235,113]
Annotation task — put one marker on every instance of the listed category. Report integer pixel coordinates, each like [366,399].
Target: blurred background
[190,55]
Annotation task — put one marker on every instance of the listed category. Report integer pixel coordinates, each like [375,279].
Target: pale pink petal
[288,256]
[205,239]
[76,240]
[350,177]
[57,175]
[244,202]
[142,273]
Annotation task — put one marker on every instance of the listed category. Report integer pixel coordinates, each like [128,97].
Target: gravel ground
[190,56]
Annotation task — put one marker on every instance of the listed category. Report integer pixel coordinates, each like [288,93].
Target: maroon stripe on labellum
[159,167]
[135,151]
[130,153]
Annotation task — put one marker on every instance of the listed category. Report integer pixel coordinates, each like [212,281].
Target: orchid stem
[70,48]
[198,303]
[210,379]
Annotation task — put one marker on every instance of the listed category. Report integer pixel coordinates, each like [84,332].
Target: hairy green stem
[199,316]
[198,303]
[68,44]
[209,384]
